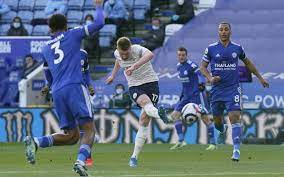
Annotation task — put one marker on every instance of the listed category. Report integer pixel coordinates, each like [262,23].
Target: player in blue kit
[71,100]
[87,82]
[193,84]
[225,93]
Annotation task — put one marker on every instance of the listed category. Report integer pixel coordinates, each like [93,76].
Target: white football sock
[151,110]
[140,140]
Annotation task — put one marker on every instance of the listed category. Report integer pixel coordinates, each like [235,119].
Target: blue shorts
[73,106]
[199,100]
[231,104]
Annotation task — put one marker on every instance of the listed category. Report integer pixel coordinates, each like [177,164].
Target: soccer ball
[190,113]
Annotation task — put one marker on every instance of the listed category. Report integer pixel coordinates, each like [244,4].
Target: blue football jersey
[189,77]
[224,63]
[62,53]
[85,67]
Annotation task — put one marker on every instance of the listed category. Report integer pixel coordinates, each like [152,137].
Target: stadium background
[256,25]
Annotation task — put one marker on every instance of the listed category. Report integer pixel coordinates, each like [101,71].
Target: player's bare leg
[85,147]
[221,127]
[145,102]
[69,137]
[210,130]
[140,138]
[176,117]
[235,119]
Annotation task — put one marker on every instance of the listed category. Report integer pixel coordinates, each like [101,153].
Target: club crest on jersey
[134,95]
[234,55]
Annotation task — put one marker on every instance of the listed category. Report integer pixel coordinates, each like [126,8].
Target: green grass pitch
[156,160]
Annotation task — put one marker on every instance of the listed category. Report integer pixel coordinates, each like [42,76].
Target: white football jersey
[144,74]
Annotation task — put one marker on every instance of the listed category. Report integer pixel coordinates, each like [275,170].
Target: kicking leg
[144,102]
[140,138]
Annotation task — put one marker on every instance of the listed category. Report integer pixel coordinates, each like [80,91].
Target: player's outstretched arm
[113,73]
[249,64]
[205,72]
[147,56]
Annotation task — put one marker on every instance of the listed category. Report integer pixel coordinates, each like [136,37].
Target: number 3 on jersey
[58,52]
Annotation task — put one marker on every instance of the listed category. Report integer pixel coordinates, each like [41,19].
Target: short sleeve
[141,50]
[242,55]
[194,67]
[206,56]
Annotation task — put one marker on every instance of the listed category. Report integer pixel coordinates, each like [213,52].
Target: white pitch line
[206,174]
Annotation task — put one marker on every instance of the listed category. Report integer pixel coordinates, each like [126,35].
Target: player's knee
[73,137]
[144,120]
[235,117]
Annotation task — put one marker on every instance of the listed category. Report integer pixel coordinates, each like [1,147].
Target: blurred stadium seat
[107,34]
[74,16]
[26,4]
[40,30]
[171,29]
[4,29]
[75,4]
[8,17]
[13,4]
[26,16]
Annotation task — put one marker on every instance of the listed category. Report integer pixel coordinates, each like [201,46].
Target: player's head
[124,47]
[119,89]
[224,30]
[182,54]
[57,23]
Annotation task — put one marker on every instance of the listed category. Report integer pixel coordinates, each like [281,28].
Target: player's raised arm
[249,64]
[87,30]
[113,73]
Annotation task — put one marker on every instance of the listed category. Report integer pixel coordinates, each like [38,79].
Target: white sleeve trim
[196,70]
[204,59]
[86,30]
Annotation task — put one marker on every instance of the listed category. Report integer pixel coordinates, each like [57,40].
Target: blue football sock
[84,152]
[236,135]
[178,126]
[210,130]
[220,127]
[44,141]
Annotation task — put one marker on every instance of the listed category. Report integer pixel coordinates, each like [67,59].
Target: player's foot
[89,162]
[236,155]
[133,162]
[178,145]
[162,114]
[211,147]
[30,149]
[80,168]
[222,135]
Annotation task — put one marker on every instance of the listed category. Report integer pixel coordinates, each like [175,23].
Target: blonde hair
[123,43]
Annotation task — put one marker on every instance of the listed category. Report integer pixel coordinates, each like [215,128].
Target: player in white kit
[143,87]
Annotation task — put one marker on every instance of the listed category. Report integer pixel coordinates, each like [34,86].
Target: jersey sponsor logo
[5,47]
[225,66]
[234,55]
[185,72]
[218,55]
